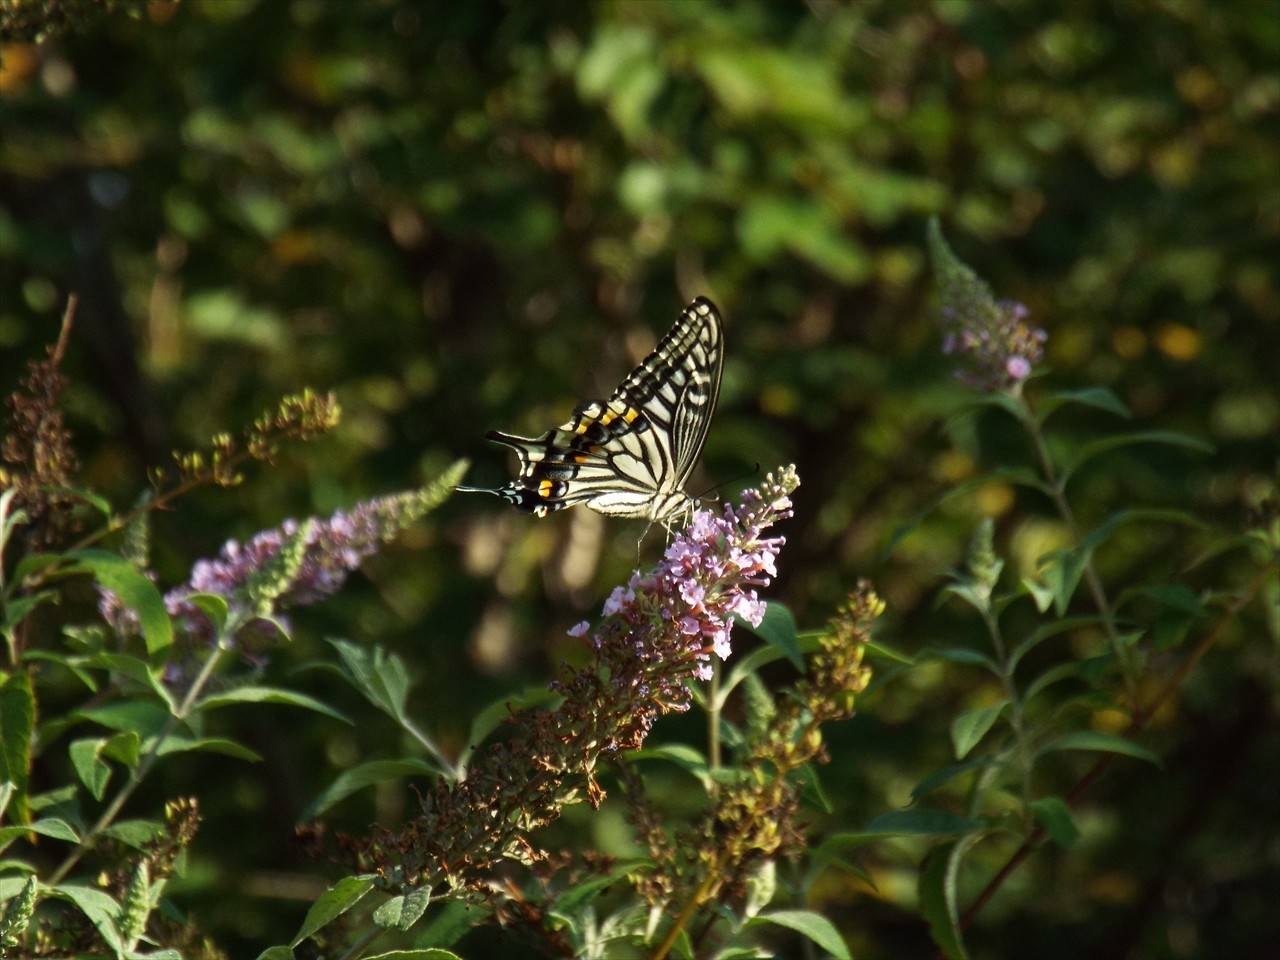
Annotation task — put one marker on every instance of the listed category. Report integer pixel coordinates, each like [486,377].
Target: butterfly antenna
[724,483]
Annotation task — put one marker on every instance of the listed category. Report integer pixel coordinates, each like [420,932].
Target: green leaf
[753,661]
[451,924]
[380,677]
[134,590]
[54,827]
[17,717]
[18,609]
[402,912]
[778,629]
[428,953]
[962,655]
[1103,742]
[276,953]
[213,606]
[134,833]
[809,924]
[492,716]
[73,664]
[254,694]
[1062,671]
[364,775]
[912,822]
[937,895]
[136,670]
[582,893]
[230,748]
[949,773]
[334,902]
[93,771]
[33,563]
[1049,630]
[1098,397]
[142,716]
[968,729]
[99,503]
[101,910]
[683,756]
[1042,595]
[1117,441]
[1054,815]
[884,651]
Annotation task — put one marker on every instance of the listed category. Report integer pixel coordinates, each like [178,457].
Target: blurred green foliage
[470,216]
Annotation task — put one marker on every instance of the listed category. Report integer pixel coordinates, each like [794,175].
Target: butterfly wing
[629,456]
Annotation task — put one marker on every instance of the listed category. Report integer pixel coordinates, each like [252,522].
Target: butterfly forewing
[630,456]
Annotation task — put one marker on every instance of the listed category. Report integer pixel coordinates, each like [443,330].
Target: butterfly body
[629,456]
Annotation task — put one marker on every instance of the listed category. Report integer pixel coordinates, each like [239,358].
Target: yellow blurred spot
[993,499]
[1175,164]
[295,246]
[1199,87]
[631,414]
[1110,720]
[1178,341]
[778,401]
[1113,887]
[1128,342]
[544,488]
[952,465]
[17,64]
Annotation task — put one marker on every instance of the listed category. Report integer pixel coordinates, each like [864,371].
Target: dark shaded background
[469,216]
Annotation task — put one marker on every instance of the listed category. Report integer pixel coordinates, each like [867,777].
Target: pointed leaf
[778,629]
[380,676]
[937,894]
[365,775]
[427,953]
[809,924]
[93,771]
[230,748]
[968,729]
[402,912]
[17,717]
[276,953]
[1119,440]
[1054,815]
[334,902]
[1103,742]
[1098,397]
[54,827]
[135,669]
[135,591]
[254,694]
[101,910]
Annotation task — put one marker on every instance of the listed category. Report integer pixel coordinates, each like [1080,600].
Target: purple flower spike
[995,345]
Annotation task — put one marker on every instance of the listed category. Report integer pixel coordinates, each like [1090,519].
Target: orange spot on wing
[544,488]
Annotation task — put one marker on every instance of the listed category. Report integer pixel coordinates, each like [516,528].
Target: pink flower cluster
[706,577]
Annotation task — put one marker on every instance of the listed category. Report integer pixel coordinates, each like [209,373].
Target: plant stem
[684,916]
[1015,711]
[1140,719]
[450,769]
[1091,578]
[713,718]
[144,766]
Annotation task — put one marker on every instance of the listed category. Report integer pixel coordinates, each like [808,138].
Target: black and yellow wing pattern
[629,456]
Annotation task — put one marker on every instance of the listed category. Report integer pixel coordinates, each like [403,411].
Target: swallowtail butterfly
[629,456]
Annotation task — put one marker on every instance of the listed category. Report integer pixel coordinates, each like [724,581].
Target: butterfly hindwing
[630,455]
